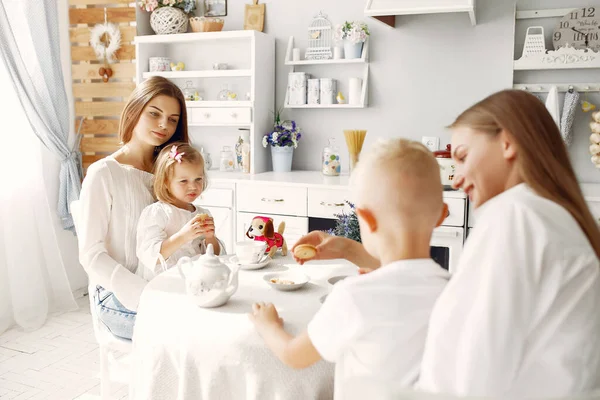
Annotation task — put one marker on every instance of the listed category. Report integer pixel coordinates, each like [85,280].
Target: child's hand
[191,230]
[207,227]
[263,315]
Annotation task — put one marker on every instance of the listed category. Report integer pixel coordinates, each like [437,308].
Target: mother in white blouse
[114,193]
[521,315]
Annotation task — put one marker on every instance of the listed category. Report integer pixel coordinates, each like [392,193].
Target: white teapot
[208,280]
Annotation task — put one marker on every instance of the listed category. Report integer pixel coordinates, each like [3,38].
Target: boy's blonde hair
[165,165]
[399,176]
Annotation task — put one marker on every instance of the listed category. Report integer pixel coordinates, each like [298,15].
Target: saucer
[291,280]
[266,260]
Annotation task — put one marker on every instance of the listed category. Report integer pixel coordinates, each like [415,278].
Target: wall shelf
[387,10]
[562,87]
[362,61]
[221,73]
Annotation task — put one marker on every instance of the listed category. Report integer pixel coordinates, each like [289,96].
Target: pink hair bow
[175,155]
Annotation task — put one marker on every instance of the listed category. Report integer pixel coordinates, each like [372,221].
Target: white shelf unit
[563,58]
[387,10]
[363,60]
[251,58]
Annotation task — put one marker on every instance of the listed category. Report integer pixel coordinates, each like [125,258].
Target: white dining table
[182,351]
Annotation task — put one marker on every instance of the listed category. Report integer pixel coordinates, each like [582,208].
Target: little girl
[173,227]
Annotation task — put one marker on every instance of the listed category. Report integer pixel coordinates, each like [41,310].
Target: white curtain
[33,280]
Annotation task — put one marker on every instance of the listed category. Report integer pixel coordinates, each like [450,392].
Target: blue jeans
[117,319]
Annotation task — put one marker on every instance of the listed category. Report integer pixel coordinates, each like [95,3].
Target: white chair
[108,343]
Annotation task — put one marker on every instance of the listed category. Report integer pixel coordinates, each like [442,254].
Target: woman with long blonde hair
[521,315]
[114,193]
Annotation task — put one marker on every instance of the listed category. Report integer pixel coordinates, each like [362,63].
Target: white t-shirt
[521,315]
[374,326]
[158,222]
[112,198]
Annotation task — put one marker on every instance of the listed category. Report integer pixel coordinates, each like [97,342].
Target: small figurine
[262,230]
[177,67]
[340,98]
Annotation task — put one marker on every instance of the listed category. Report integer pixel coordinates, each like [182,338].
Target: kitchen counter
[314,179]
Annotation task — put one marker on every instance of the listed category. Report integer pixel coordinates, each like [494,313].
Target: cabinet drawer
[324,203]
[216,197]
[295,227]
[287,200]
[456,209]
[217,116]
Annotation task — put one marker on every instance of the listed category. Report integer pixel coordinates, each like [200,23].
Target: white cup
[250,252]
[337,52]
[296,54]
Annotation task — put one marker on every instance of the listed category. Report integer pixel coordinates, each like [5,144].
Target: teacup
[250,252]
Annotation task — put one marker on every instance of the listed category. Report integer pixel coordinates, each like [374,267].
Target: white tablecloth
[181,351]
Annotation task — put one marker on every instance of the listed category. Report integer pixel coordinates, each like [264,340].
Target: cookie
[201,217]
[305,251]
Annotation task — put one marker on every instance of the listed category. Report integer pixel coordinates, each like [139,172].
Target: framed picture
[215,8]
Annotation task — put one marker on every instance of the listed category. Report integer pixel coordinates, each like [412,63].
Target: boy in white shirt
[373,326]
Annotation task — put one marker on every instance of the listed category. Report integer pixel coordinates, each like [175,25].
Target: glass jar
[227,162]
[189,91]
[447,165]
[207,159]
[330,159]
[224,93]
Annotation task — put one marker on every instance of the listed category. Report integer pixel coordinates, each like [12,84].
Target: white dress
[112,198]
[521,315]
[158,222]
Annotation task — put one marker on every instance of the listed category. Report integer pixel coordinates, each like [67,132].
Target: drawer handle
[272,200]
[233,115]
[207,115]
[332,204]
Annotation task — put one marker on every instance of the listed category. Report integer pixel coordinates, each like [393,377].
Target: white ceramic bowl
[297,278]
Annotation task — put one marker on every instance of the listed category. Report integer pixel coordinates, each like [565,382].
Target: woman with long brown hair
[114,193]
[520,316]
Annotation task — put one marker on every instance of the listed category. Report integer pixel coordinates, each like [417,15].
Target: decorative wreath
[105,52]
[595,139]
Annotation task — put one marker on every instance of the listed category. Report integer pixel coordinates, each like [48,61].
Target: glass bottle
[246,151]
[330,159]
[227,162]
[238,146]
[224,93]
[189,91]
[207,159]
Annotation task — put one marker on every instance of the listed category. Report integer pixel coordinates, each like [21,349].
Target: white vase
[168,20]
[282,158]
[352,50]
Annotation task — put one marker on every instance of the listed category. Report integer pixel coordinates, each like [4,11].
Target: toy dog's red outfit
[275,241]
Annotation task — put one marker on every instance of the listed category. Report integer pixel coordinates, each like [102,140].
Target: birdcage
[319,38]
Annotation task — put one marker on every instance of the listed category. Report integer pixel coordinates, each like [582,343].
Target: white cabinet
[250,57]
[295,227]
[219,201]
[456,212]
[271,198]
[325,203]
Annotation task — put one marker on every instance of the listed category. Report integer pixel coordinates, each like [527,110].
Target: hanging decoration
[595,139]
[105,39]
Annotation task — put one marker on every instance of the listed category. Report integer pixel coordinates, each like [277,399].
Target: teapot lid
[209,259]
[443,153]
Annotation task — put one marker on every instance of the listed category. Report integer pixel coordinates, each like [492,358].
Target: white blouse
[520,317]
[158,222]
[112,198]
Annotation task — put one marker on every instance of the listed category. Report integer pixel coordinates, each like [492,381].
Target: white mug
[296,54]
[250,251]
[337,52]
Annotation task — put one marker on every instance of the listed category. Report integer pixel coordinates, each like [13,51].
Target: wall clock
[580,29]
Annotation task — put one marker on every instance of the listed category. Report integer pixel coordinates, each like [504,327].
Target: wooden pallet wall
[98,102]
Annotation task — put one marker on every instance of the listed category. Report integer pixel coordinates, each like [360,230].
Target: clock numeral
[564,24]
[587,12]
[557,36]
[574,15]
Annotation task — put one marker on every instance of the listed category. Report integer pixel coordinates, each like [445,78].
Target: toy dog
[262,230]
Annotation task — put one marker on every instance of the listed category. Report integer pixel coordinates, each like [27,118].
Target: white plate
[258,265]
[298,278]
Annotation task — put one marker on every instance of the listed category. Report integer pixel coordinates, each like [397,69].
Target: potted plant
[168,16]
[353,34]
[347,225]
[283,139]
